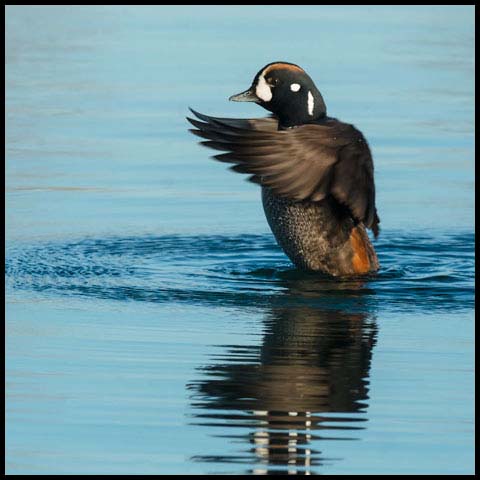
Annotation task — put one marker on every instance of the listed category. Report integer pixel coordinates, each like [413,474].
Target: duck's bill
[246,96]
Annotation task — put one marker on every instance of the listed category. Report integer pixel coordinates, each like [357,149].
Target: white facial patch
[310,103]
[294,87]
[263,90]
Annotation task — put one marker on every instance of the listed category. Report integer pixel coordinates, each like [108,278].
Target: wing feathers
[304,163]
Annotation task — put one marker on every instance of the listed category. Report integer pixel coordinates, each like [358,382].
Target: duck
[316,172]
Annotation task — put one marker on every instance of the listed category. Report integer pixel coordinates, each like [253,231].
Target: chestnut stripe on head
[281,65]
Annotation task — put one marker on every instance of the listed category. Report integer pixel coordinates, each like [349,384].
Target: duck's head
[288,92]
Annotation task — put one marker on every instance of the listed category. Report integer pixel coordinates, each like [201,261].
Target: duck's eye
[273,82]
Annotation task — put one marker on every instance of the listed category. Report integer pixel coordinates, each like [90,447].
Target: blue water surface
[153,326]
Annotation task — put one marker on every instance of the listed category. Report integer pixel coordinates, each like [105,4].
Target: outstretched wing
[308,162]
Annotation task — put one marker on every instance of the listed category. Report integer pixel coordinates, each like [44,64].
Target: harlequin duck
[315,171]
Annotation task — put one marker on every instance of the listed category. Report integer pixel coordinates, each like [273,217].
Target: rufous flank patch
[360,261]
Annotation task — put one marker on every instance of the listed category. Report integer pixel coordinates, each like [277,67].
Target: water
[153,325]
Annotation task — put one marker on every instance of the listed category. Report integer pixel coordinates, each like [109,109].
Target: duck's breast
[319,236]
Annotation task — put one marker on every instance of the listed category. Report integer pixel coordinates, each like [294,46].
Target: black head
[288,92]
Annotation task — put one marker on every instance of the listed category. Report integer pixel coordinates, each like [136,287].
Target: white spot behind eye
[263,90]
[294,87]
[310,103]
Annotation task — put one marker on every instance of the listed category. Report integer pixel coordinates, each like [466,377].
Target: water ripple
[418,271]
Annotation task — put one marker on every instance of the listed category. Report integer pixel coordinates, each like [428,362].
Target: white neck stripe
[310,103]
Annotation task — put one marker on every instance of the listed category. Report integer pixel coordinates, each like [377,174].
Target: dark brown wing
[304,163]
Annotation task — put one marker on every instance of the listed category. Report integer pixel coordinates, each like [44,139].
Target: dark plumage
[316,172]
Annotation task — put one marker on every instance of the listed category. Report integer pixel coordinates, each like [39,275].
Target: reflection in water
[275,405]
[312,362]
[306,385]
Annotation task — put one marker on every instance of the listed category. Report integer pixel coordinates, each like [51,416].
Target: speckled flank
[319,236]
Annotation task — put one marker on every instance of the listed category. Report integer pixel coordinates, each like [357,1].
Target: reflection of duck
[311,361]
